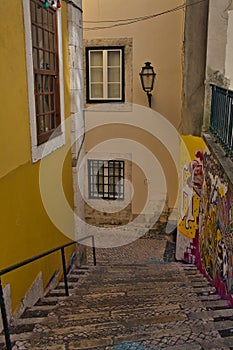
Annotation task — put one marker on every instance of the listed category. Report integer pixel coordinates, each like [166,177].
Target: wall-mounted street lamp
[147,76]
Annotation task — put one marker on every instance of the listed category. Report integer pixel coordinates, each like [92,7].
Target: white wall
[229,50]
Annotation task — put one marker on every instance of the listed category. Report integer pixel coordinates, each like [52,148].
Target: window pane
[39,14]
[34,39]
[114,90]
[45,19]
[50,22]
[105,66]
[40,38]
[52,61]
[97,75]
[46,61]
[114,58]
[41,59]
[40,124]
[96,58]
[97,90]
[46,39]
[47,122]
[51,41]
[114,74]
[33,12]
[35,60]
[39,86]
[40,104]
[52,102]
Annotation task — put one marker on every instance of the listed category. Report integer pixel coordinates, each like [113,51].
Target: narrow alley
[137,297]
[117,132]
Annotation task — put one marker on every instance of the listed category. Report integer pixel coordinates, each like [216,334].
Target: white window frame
[105,74]
[41,151]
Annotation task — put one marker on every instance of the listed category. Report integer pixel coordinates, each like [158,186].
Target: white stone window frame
[127,43]
[43,150]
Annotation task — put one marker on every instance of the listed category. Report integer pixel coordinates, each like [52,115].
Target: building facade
[41,93]
[119,38]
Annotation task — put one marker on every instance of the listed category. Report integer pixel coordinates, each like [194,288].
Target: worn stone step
[201,284]
[16,337]
[228,341]
[26,321]
[217,304]
[221,325]
[38,311]
[209,297]
[211,314]
[51,300]
[150,303]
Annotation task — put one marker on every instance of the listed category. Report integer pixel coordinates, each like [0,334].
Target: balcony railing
[221,119]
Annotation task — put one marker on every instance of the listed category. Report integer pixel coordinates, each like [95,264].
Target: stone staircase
[133,299]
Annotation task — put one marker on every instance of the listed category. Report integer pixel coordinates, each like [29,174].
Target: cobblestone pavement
[134,298]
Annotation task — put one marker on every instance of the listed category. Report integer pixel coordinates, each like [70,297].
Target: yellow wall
[26,229]
[15,138]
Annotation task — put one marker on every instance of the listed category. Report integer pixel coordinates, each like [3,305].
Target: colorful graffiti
[192,178]
[215,229]
[206,217]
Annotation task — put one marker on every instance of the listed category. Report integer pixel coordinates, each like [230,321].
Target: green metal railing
[221,118]
[28,261]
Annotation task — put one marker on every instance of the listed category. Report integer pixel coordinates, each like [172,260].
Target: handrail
[28,261]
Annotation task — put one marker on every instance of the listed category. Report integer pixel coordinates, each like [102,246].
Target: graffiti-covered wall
[205,228]
[190,193]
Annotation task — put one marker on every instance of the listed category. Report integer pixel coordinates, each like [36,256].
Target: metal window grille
[105,179]
[221,119]
[45,65]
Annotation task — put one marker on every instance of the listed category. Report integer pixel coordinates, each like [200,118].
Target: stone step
[209,297]
[217,304]
[16,337]
[147,305]
[211,314]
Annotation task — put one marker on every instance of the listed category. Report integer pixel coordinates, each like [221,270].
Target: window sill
[41,151]
[110,107]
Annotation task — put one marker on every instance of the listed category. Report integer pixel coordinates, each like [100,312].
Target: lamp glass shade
[147,76]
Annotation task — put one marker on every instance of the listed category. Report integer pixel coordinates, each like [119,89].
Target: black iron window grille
[105,179]
[221,119]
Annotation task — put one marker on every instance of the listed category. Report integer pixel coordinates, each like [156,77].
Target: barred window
[45,67]
[105,179]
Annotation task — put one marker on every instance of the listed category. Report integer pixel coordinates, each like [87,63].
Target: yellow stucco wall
[26,229]
[15,138]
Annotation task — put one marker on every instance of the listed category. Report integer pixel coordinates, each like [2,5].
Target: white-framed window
[105,74]
[43,40]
